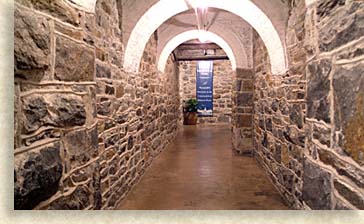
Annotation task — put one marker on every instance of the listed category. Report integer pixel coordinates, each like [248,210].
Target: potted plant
[190,112]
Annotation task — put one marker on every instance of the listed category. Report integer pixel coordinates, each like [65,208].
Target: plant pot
[190,118]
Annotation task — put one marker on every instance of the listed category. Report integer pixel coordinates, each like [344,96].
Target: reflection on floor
[200,171]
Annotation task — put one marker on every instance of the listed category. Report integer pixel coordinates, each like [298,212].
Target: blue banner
[204,88]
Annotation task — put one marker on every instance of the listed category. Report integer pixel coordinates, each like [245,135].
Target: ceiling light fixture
[199,4]
[201,7]
[202,36]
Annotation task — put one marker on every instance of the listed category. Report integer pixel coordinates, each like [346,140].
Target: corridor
[101,88]
[199,171]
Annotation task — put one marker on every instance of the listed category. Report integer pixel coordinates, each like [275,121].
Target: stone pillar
[242,124]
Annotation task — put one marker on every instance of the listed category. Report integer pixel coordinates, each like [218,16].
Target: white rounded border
[165,9]
[189,35]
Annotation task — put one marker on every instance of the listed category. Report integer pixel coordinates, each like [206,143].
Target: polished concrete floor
[200,171]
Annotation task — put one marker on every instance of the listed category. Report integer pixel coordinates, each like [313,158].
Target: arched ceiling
[163,10]
[190,35]
[142,17]
[276,11]
[231,28]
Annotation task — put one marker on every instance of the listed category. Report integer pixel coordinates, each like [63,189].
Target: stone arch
[163,10]
[189,35]
[239,39]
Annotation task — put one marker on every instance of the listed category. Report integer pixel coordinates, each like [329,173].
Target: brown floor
[200,171]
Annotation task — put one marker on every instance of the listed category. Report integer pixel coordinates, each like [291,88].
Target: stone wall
[308,122]
[222,89]
[85,130]
[335,104]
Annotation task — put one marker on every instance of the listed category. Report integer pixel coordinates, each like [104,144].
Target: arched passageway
[99,87]
[190,35]
[163,10]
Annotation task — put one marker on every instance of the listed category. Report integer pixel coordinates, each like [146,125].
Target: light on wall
[198,4]
[202,36]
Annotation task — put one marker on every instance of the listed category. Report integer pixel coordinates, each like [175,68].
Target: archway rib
[189,35]
[163,10]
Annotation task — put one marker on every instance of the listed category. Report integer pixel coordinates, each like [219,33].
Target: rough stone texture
[341,27]
[223,81]
[296,131]
[68,52]
[318,105]
[325,8]
[32,40]
[60,9]
[109,125]
[54,109]
[91,129]
[342,167]
[37,174]
[317,189]
[49,105]
[280,110]
[242,118]
[348,85]
[340,144]
[356,198]
[136,123]
[138,114]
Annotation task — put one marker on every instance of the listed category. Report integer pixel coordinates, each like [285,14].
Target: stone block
[296,115]
[244,120]
[59,110]
[248,85]
[37,174]
[285,156]
[352,52]
[74,61]
[77,200]
[103,71]
[317,189]
[242,73]
[294,135]
[31,44]
[341,205]
[238,85]
[109,90]
[286,178]
[326,8]
[268,124]
[322,134]
[244,99]
[344,27]
[318,88]
[77,148]
[57,8]
[348,84]
[223,119]
[343,167]
[104,107]
[68,31]
[354,197]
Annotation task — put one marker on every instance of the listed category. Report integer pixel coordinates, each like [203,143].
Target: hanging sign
[204,87]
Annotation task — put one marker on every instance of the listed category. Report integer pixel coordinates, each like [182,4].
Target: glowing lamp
[199,4]
[202,36]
